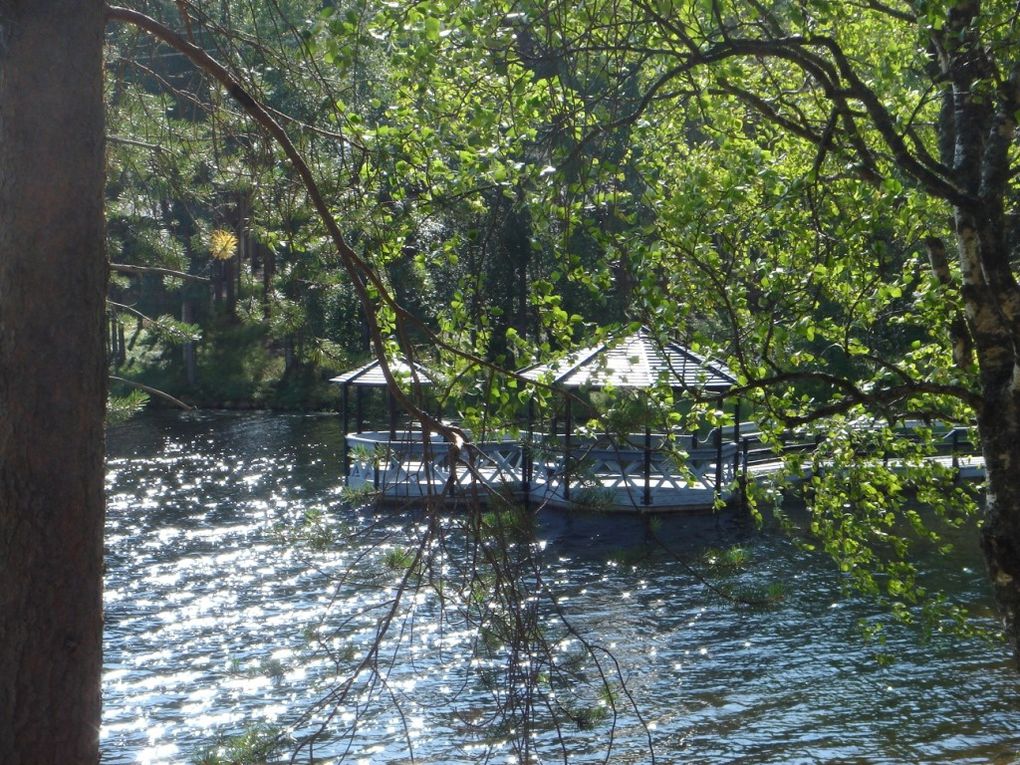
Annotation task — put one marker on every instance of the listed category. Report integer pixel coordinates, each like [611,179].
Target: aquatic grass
[399,559]
[258,744]
[359,496]
[726,560]
[588,718]
[760,596]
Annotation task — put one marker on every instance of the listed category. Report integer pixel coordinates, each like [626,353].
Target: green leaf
[432,27]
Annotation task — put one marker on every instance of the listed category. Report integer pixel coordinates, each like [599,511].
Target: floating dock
[649,474]
[643,472]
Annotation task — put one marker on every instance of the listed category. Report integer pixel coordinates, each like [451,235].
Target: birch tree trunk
[52,380]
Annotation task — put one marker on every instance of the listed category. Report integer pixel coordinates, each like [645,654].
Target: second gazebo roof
[371,374]
[637,360]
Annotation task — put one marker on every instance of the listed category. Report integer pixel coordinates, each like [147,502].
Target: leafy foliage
[772,183]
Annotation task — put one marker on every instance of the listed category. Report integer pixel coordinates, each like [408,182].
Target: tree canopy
[823,195]
[782,184]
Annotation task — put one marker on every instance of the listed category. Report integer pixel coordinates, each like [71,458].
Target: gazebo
[408,463]
[367,377]
[638,361]
[638,472]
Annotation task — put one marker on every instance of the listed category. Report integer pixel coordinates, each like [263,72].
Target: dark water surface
[215,620]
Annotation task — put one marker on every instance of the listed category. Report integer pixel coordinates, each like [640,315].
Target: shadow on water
[214,619]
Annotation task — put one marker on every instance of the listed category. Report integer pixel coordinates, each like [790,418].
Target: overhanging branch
[125,268]
[153,392]
[366,282]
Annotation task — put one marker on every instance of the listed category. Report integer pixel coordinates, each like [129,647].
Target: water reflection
[217,619]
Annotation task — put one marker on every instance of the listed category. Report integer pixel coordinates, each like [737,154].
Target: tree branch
[125,268]
[153,391]
[934,183]
[854,395]
[368,285]
[133,142]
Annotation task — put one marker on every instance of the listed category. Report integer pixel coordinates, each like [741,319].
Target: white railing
[644,476]
[412,466]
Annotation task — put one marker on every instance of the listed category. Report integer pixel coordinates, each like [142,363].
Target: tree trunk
[230,267]
[980,243]
[268,271]
[190,363]
[1000,531]
[52,380]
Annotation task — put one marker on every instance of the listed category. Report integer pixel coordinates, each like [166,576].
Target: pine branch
[125,268]
[153,391]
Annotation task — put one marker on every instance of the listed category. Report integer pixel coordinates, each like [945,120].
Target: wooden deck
[412,467]
[647,474]
[614,479]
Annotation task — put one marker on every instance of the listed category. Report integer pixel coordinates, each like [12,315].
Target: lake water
[242,589]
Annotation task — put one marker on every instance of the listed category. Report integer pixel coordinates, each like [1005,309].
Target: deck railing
[641,467]
[378,459]
[955,442]
[641,473]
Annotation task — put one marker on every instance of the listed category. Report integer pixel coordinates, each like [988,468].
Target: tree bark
[52,380]
[1000,529]
[998,422]
[190,360]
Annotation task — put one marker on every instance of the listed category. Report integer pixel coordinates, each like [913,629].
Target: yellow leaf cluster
[222,244]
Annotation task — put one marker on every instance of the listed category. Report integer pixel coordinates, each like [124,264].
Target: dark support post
[359,402]
[648,466]
[743,480]
[391,404]
[345,449]
[568,416]
[718,459]
[736,437]
[527,464]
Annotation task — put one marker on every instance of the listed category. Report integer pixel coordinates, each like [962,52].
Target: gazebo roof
[637,360]
[371,374]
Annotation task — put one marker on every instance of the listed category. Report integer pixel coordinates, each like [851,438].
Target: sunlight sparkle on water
[160,753]
[208,617]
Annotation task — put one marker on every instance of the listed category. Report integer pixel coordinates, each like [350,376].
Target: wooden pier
[596,476]
[643,472]
[648,474]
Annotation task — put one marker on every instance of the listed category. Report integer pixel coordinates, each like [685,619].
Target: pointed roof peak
[371,374]
[634,360]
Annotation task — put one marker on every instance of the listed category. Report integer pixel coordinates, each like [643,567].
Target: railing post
[956,448]
[718,460]
[391,405]
[359,402]
[648,466]
[744,446]
[345,449]
[566,449]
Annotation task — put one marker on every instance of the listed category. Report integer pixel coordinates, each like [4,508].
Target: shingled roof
[637,360]
[371,374]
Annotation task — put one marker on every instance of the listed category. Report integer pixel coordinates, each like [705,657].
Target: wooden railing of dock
[645,468]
